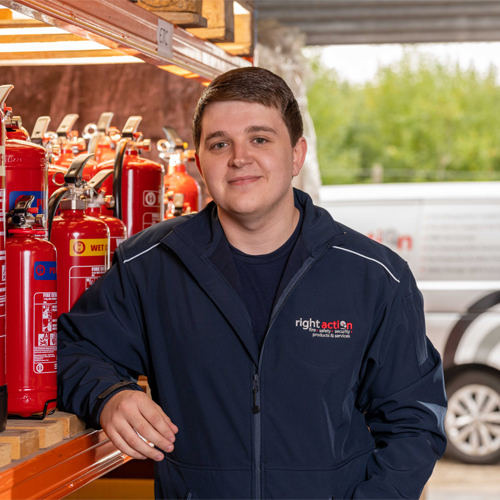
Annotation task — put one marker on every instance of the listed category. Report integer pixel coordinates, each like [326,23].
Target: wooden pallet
[185,13]
[23,442]
[72,425]
[50,432]
[5,454]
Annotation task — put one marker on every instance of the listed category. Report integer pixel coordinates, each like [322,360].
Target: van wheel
[472,423]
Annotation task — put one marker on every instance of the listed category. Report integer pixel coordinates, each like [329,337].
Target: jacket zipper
[256,408]
[257,433]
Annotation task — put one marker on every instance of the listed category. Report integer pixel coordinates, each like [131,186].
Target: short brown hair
[252,85]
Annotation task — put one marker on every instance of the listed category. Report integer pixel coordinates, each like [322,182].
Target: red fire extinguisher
[82,242]
[26,166]
[117,229]
[13,124]
[137,185]
[39,137]
[178,181]
[3,383]
[103,141]
[69,142]
[31,313]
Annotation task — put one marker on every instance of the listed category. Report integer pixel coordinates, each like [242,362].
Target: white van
[449,233]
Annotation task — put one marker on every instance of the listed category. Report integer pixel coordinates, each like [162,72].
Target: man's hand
[129,410]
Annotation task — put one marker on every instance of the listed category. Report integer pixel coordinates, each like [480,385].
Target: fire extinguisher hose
[117,180]
[54,201]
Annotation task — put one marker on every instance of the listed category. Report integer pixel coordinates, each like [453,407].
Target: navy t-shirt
[259,279]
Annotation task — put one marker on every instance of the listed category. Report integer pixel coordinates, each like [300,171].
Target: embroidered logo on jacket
[332,329]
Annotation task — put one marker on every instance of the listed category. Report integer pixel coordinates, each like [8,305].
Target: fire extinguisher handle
[131,126]
[74,172]
[67,125]
[99,178]
[40,129]
[104,122]
[4,93]
[117,180]
[54,200]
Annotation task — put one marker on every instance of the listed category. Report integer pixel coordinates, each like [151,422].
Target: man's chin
[243,210]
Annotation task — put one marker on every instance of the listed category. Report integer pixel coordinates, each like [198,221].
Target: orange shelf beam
[58,471]
[121,25]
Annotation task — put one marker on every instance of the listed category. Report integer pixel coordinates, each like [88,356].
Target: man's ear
[198,166]
[299,156]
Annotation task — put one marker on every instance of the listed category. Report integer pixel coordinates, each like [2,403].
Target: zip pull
[256,407]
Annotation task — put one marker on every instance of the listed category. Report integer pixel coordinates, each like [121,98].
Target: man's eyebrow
[219,133]
[260,128]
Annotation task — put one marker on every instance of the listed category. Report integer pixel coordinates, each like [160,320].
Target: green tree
[419,119]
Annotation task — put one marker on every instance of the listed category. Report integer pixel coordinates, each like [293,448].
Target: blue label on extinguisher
[45,270]
[39,201]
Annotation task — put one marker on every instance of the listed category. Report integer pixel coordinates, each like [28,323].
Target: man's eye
[218,145]
[260,140]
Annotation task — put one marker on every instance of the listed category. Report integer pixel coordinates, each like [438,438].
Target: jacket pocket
[414,309]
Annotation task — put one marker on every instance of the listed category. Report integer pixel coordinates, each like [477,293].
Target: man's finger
[146,430]
[119,442]
[174,428]
[158,421]
[129,435]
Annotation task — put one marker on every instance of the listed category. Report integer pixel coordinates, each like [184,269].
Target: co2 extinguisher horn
[73,185]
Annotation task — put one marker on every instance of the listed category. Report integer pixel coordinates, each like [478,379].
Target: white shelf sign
[164,37]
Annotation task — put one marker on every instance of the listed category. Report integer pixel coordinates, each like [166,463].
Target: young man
[286,353]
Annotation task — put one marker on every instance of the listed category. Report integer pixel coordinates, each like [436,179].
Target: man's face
[246,157]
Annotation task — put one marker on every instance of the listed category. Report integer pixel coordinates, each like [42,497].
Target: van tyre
[472,422]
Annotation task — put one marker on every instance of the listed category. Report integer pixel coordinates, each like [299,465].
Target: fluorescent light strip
[72,61]
[50,46]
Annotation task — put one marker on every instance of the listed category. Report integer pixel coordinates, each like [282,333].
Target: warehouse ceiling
[329,22]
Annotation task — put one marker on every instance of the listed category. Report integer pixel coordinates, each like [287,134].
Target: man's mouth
[241,181]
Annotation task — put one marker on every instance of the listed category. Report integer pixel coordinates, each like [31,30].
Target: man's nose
[241,156]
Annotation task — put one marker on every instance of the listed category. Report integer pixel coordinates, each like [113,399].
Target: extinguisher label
[45,270]
[118,241]
[81,278]
[88,247]
[150,198]
[150,218]
[45,332]
[39,201]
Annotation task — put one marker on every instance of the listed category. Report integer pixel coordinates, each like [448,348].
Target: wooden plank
[21,23]
[5,14]
[72,425]
[40,38]
[61,54]
[5,454]
[49,432]
[220,19]
[184,19]
[194,6]
[23,442]
[243,37]
[143,382]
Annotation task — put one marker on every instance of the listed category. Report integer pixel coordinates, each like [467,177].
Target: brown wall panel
[161,98]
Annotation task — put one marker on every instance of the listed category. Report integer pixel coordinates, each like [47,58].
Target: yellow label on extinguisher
[88,247]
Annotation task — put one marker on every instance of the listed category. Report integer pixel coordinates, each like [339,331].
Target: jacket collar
[202,246]
[203,232]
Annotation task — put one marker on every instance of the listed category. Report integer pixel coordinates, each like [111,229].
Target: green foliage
[420,120]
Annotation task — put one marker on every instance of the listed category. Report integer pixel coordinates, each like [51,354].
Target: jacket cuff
[105,396]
